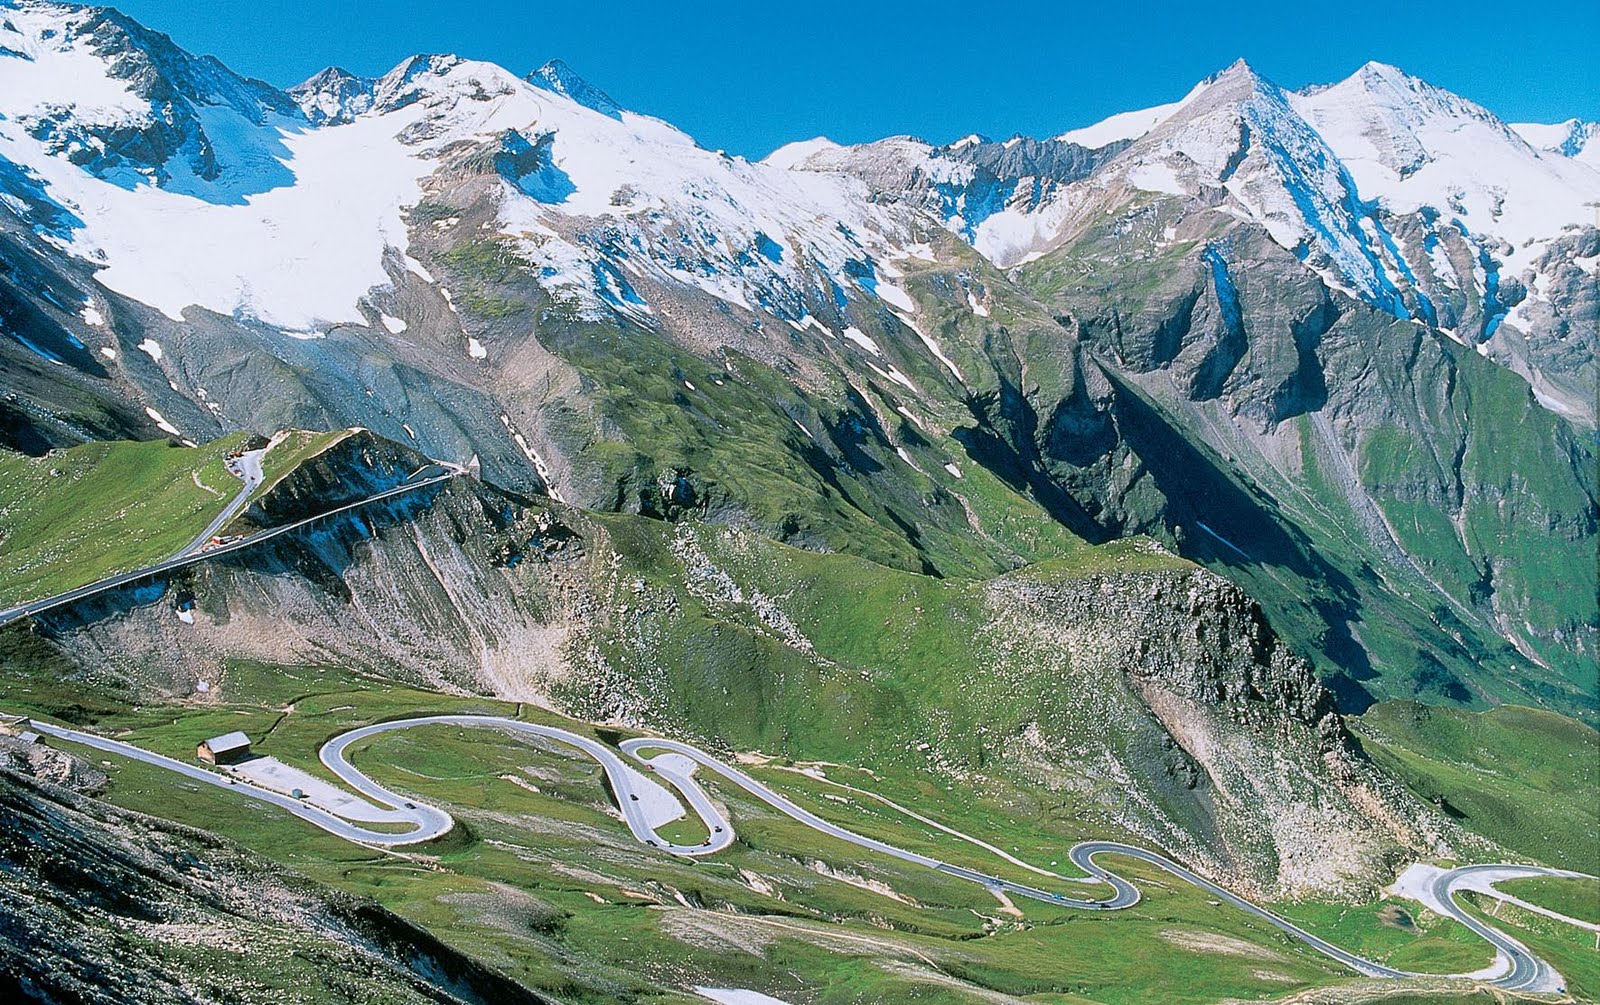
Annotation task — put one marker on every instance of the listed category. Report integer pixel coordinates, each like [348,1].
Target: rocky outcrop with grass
[1198,729]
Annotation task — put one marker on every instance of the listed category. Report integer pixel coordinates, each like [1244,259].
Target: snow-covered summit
[979,189]
[557,76]
[1413,148]
[1411,145]
[334,95]
[304,235]
[798,153]
[1352,177]
[1242,134]
[126,104]
[1129,125]
[291,208]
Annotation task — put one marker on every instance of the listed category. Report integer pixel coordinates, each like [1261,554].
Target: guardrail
[45,604]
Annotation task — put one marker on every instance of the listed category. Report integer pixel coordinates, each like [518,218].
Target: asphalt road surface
[1528,972]
[675,763]
[624,777]
[434,820]
[188,557]
[248,467]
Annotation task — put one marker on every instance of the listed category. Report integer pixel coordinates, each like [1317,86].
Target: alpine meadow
[463,541]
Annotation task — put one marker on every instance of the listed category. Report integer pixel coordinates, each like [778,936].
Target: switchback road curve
[675,762]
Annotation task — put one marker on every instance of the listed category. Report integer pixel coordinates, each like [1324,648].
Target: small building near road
[229,748]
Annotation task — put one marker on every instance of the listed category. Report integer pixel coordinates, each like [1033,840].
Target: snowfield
[282,208]
[1412,146]
[293,232]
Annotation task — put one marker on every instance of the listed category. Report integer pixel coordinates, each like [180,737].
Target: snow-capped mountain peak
[1397,192]
[126,104]
[988,193]
[293,209]
[1404,121]
[434,81]
[1241,133]
[1127,125]
[74,45]
[335,165]
[796,154]
[1212,127]
[557,76]
[334,95]
[1411,145]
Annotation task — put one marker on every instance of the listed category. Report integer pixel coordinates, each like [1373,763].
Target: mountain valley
[1219,479]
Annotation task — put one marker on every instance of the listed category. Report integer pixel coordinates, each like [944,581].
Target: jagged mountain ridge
[400,128]
[129,107]
[1401,194]
[1342,163]
[482,263]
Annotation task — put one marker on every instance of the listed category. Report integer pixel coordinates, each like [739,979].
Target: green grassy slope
[1576,898]
[899,660]
[542,881]
[1405,504]
[1523,519]
[1571,950]
[1395,932]
[905,659]
[77,515]
[1522,777]
[742,441]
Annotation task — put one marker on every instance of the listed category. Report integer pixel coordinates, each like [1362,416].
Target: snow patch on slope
[302,252]
[792,155]
[293,257]
[863,340]
[1127,125]
[161,422]
[1573,138]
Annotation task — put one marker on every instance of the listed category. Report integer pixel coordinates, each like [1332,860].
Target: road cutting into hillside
[190,556]
[248,468]
[645,804]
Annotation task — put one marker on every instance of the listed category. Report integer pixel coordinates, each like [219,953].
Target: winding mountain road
[675,763]
[1527,971]
[248,468]
[189,555]
[639,796]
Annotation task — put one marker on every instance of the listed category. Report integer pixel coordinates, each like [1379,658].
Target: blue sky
[749,76]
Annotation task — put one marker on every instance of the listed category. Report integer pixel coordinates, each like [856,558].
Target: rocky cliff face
[177,125]
[1343,437]
[455,587]
[1218,735]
